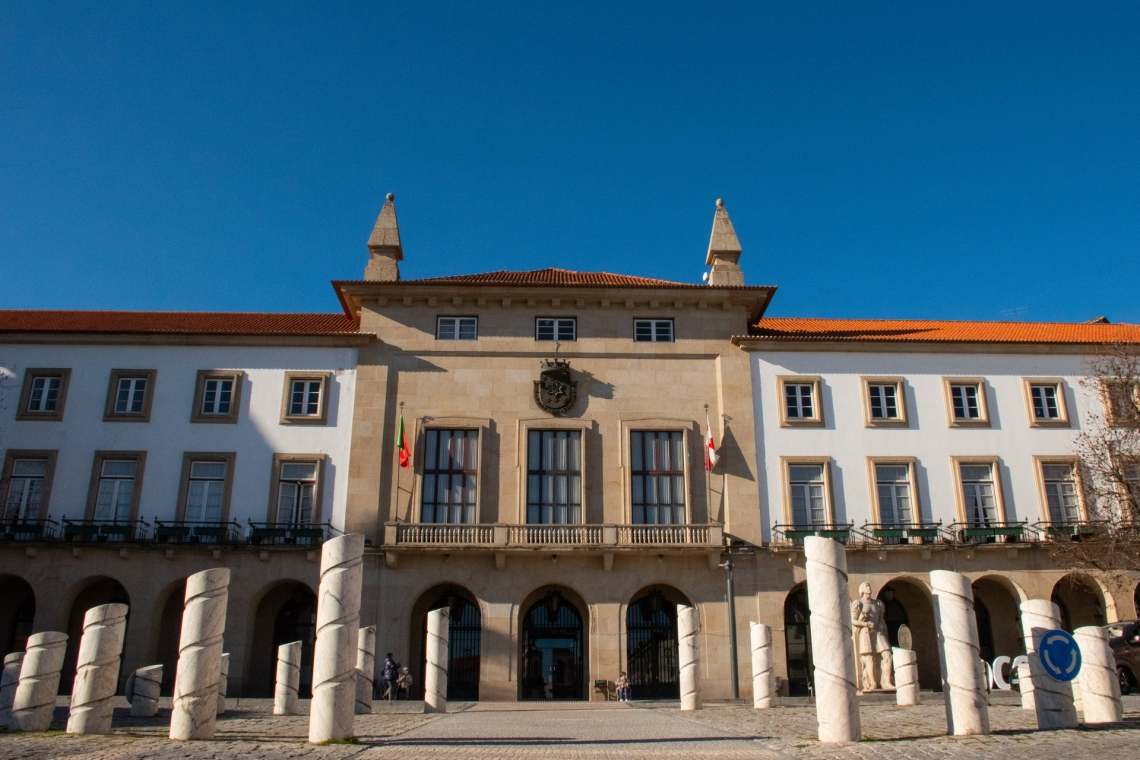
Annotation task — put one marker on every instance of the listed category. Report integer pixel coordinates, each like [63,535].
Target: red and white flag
[710,446]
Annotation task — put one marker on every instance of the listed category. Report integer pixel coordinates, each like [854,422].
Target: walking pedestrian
[389,674]
[623,687]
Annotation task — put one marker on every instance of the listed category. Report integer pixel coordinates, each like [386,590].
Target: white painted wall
[929,438]
[257,435]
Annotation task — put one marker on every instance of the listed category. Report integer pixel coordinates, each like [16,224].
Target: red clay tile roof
[167,322]
[939,331]
[558,278]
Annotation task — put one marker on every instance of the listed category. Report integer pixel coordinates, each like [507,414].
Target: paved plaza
[585,730]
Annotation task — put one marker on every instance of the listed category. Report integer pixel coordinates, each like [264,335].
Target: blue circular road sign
[1060,655]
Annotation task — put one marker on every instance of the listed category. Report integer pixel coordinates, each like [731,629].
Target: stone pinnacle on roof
[384,245]
[724,250]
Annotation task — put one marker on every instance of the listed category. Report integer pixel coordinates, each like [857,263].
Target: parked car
[1125,642]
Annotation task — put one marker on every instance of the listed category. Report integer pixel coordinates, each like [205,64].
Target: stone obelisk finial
[724,251]
[384,249]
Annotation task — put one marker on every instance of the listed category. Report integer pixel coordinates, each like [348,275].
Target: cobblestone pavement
[584,730]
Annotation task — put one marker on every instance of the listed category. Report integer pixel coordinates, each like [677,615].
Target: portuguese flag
[402,444]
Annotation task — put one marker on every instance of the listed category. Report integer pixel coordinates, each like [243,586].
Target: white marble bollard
[1100,686]
[34,703]
[1052,699]
[906,677]
[143,689]
[833,647]
[963,682]
[689,656]
[332,709]
[365,669]
[435,675]
[9,680]
[223,683]
[288,679]
[200,655]
[763,667]
[97,670]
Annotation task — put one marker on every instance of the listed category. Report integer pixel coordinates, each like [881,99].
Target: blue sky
[922,160]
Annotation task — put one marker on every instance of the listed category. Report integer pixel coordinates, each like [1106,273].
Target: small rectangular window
[561,329]
[884,402]
[965,402]
[204,492]
[296,486]
[217,394]
[1044,402]
[653,330]
[116,487]
[554,477]
[1061,492]
[657,466]
[25,489]
[809,504]
[979,493]
[451,471]
[130,395]
[457,328]
[45,395]
[798,401]
[305,398]
[892,485]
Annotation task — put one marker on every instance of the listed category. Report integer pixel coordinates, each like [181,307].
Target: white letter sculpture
[34,702]
[9,680]
[365,669]
[689,657]
[223,683]
[435,676]
[288,679]
[763,667]
[97,671]
[1100,686]
[906,677]
[332,709]
[1052,699]
[143,689]
[963,682]
[833,648]
[200,655]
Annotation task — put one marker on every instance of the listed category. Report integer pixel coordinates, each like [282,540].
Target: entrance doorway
[552,662]
[464,634]
[797,633]
[286,613]
[651,648]
[99,592]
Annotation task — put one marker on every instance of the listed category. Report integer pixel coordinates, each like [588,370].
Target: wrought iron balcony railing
[1070,530]
[991,532]
[501,535]
[276,534]
[794,535]
[196,532]
[894,534]
[104,531]
[17,529]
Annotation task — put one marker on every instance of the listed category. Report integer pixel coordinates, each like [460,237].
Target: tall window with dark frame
[295,493]
[892,482]
[809,505]
[204,491]
[25,489]
[554,477]
[563,329]
[451,469]
[116,488]
[1061,492]
[657,467]
[979,494]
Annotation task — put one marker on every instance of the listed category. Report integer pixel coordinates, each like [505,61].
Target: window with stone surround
[217,396]
[799,400]
[129,395]
[562,329]
[966,402]
[979,491]
[1045,402]
[450,476]
[457,328]
[305,399]
[657,466]
[653,330]
[43,394]
[807,491]
[554,477]
[26,484]
[884,402]
[116,486]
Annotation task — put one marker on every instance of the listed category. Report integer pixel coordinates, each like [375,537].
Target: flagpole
[708,470]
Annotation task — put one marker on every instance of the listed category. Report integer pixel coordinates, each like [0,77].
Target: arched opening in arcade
[169,632]
[553,647]
[997,611]
[907,603]
[464,641]
[1081,601]
[94,594]
[797,642]
[651,646]
[1136,600]
[17,613]
[287,613]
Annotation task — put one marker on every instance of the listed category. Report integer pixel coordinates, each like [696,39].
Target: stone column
[435,674]
[143,689]
[1052,699]
[763,667]
[1100,687]
[1025,685]
[689,656]
[223,683]
[9,680]
[334,656]
[288,679]
[833,648]
[906,677]
[34,703]
[365,669]
[963,685]
[97,671]
[200,655]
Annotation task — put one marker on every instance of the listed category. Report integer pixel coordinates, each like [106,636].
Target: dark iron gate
[651,649]
[552,651]
[464,634]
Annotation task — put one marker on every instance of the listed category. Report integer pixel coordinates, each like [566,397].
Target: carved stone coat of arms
[555,391]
